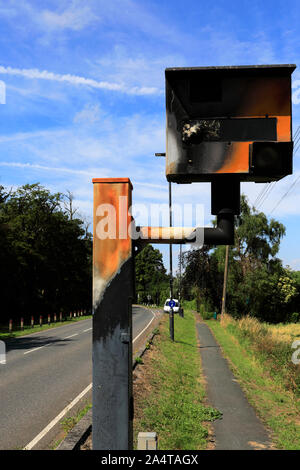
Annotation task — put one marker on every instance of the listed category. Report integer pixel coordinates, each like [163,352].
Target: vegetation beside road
[46,254]
[169,392]
[260,357]
[258,283]
[4,334]
[152,281]
[68,423]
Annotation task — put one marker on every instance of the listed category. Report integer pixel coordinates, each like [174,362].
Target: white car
[167,307]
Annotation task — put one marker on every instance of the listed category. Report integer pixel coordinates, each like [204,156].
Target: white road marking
[40,347]
[87,330]
[144,328]
[76,334]
[57,419]
[35,349]
[76,400]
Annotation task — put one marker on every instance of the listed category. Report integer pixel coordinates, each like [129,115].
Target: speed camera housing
[229,121]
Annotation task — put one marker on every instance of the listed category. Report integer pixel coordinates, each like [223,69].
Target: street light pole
[180,260]
[171,313]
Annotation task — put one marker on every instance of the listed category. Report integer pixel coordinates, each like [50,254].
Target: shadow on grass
[198,347]
[187,344]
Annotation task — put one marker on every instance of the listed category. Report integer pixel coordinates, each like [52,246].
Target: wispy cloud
[75,16]
[31,166]
[67,15]
[89,115]
[78,80]
[90,173]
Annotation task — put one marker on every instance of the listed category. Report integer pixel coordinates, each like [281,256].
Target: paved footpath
[239,428]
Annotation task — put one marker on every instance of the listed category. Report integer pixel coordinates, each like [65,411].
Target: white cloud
[69,15]
[89,115]
[34,166]
[78,80]
[145,69]
[295,264]
[76,16]
[23,136]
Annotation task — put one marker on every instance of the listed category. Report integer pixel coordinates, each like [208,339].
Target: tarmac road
[43,374]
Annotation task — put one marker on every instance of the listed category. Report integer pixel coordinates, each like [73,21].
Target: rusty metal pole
[113,282]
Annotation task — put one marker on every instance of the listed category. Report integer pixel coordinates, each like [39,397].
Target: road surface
[44,373]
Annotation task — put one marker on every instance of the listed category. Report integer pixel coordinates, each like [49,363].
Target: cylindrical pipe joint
[223,233]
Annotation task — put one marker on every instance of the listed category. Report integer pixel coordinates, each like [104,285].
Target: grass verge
[169,393]
[68,423]
[36,329]
[262,380]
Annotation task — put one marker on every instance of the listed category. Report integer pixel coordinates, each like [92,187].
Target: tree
[47,265]
[202,279]
[257,282]
[150,275]
[257,240]
[68,204]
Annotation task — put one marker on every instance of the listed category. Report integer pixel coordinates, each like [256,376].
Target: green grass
[68,423]
[171,399]
[4,334]
[277,405]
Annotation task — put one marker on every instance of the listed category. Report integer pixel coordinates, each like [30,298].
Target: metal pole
[225,281]
[180,306]
[171,313]
[113,290]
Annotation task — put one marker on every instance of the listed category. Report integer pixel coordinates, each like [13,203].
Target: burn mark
[109,310]
[196,131]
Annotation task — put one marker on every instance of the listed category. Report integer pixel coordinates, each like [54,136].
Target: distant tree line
[45,256]
[152,284]
[46,263]
[258,284]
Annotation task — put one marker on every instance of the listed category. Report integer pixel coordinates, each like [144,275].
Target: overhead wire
[264,197]
[267,193]
[285,194]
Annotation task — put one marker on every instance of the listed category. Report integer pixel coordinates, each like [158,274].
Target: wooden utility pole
[225,281]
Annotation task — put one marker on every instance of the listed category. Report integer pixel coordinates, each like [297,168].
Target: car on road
[167,307]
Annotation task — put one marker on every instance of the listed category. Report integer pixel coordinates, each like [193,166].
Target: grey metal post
[171,313]
[180,256]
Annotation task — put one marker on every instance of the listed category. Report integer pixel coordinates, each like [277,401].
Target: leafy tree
[257,282]
[257,240]
[46,266]
[150,275]
[202,278]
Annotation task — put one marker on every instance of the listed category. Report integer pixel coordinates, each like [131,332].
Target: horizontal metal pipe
[167,235]
[222,234]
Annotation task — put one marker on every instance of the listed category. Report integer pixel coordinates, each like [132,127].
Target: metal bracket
[125,338]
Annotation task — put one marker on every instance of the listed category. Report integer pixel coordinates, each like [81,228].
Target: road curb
[78,434]
[82,430]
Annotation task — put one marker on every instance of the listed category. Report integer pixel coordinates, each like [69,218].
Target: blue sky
[85,91]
